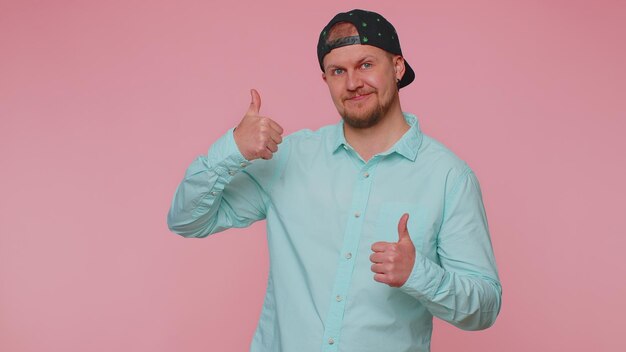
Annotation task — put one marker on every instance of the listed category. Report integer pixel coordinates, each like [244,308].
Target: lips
[359,97]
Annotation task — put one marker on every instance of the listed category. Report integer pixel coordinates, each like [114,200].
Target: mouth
[359,97]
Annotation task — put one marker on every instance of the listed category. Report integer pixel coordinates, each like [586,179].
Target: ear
[398,65]
[324,76]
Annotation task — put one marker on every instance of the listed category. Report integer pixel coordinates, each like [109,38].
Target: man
[373,228]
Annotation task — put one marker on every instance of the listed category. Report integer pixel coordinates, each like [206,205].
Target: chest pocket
[418,224]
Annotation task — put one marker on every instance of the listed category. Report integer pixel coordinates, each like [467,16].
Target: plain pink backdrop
[103,104]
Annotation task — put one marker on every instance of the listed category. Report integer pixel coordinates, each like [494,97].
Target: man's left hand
[393,261]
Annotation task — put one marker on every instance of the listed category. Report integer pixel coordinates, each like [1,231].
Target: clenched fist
[257,137]
[393,261]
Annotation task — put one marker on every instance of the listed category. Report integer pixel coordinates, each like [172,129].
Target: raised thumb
[403,231]
[255,103]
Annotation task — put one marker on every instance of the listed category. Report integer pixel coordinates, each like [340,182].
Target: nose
[354,81]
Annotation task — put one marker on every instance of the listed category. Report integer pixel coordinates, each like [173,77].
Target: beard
[371,118]
[366,119]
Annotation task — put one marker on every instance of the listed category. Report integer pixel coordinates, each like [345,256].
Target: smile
[359,97]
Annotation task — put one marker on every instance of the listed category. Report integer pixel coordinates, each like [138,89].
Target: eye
[337,71]
[366,65]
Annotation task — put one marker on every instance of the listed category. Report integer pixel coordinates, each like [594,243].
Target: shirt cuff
[224,156]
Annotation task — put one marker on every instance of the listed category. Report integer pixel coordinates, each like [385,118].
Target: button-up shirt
[324,207]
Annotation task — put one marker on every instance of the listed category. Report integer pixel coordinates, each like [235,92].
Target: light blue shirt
[324,208]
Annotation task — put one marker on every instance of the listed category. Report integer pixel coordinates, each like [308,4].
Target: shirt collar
[407,145]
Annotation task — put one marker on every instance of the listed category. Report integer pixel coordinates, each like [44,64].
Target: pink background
[103,104]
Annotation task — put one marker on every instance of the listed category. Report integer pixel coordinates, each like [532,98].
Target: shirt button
[331,341]
[357,214]
[339,298]
[213,193]
[348,255]
[366,175]
[244,164]
[231,172]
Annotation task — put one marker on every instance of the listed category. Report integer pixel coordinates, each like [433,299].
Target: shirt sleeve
[218,192]
[463,288]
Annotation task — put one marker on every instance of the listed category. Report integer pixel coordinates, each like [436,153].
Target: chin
[362,120]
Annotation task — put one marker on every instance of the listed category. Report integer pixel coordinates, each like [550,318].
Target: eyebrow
[367,57]
[332,66]
[359,61]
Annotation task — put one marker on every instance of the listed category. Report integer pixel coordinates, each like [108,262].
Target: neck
[370,141]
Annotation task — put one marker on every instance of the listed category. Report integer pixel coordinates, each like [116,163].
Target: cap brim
[409,76]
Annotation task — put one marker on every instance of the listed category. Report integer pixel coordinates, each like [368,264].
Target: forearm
[195,209]
[216,193]
[469,301]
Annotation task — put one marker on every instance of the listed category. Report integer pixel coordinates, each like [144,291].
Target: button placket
[345,269]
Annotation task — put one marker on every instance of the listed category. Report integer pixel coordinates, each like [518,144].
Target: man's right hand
[257,136]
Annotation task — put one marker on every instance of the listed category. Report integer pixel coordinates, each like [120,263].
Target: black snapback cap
[373,30]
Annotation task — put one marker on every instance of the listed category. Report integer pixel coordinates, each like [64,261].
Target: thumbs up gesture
[256,136]
[393,261]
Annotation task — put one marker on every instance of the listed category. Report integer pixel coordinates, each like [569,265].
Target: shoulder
[436,153]
[307,140]
[435,156]
[305,135]
[301,145]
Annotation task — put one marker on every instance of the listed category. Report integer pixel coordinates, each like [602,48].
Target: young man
[373,228]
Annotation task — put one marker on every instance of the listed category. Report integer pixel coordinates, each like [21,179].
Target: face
[362,82]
